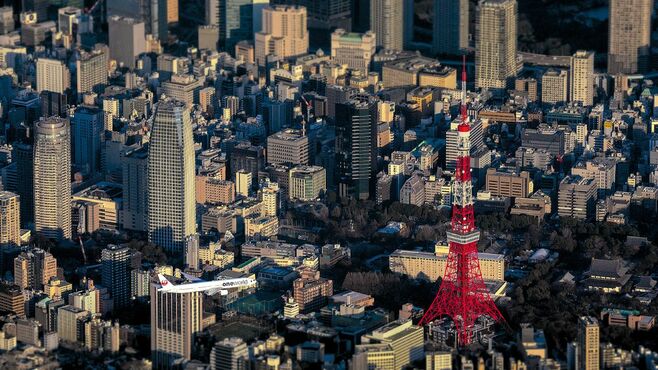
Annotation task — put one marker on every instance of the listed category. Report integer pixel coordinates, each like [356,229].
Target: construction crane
[82,248]
[93,7]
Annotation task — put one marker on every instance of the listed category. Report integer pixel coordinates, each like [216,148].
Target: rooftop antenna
[464,113]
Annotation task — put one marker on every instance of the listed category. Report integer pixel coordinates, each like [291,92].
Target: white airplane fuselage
[206,285]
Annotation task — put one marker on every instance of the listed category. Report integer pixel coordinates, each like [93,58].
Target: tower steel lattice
[463,295]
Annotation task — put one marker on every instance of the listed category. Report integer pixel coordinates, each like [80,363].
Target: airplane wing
[215,291]
[191,278]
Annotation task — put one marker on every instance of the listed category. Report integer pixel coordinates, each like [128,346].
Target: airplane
[200,285]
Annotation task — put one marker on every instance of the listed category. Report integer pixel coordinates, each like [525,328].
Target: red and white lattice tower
[463,295]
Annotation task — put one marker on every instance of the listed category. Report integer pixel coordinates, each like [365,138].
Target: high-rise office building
[192,252]
[135,180]
[110,111]
[250,158]
[257,11]
[438,360]
[10,219]
[172,11]
[403,340]
[115,273]
[38,6]
[175,320]
[354,49]
[53,104]
[67,19]
[183,87]
[450,34]
[6,20]
[70,324]
[34,268]
[503,183]
[356,146]
[386,20]
[306,183]
[287,147]
[311,291]
[284,33]
[171,203]
[243,182]
[323,17]
[582,77]
[152,13]
[212,12]
[208,37]
[588,343]
[270,196]
[87,130]
[52,178]
[127,40]
[554,86]
[629,36]
[229,354]
[577,197]
[452,141]
[235,22]
[495,44]
[92,71]
[53,75]
[23,156]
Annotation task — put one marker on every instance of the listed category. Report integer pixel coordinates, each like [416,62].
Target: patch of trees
[150,252]
[579,241]
[352,219]
[390,290]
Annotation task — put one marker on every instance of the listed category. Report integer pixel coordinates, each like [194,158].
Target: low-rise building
[431,266]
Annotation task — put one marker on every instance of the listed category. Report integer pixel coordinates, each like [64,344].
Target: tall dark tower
[356,146]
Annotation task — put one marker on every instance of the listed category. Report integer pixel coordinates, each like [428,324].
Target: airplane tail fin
[164,282]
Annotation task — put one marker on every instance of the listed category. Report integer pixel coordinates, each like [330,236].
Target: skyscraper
[87,131]
[135,180]
[588,343]
[115,270]
[53,75]
[554,86]
[450,26]
[127,40]
[250,158]
[34,268]
[629,36]
[152,13]
[175,319]
[171,203]
[386,20]
[356,145]
[23,156]
[10,220]
[172,11]
[284,33]
[52,178]
[53,104]
[212,12]
[235,22]
[582,77]
[323,16]
[287,147]
[92,71]
[354,49]
[495,44]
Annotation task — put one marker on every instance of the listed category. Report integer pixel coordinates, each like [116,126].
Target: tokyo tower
[463,295]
